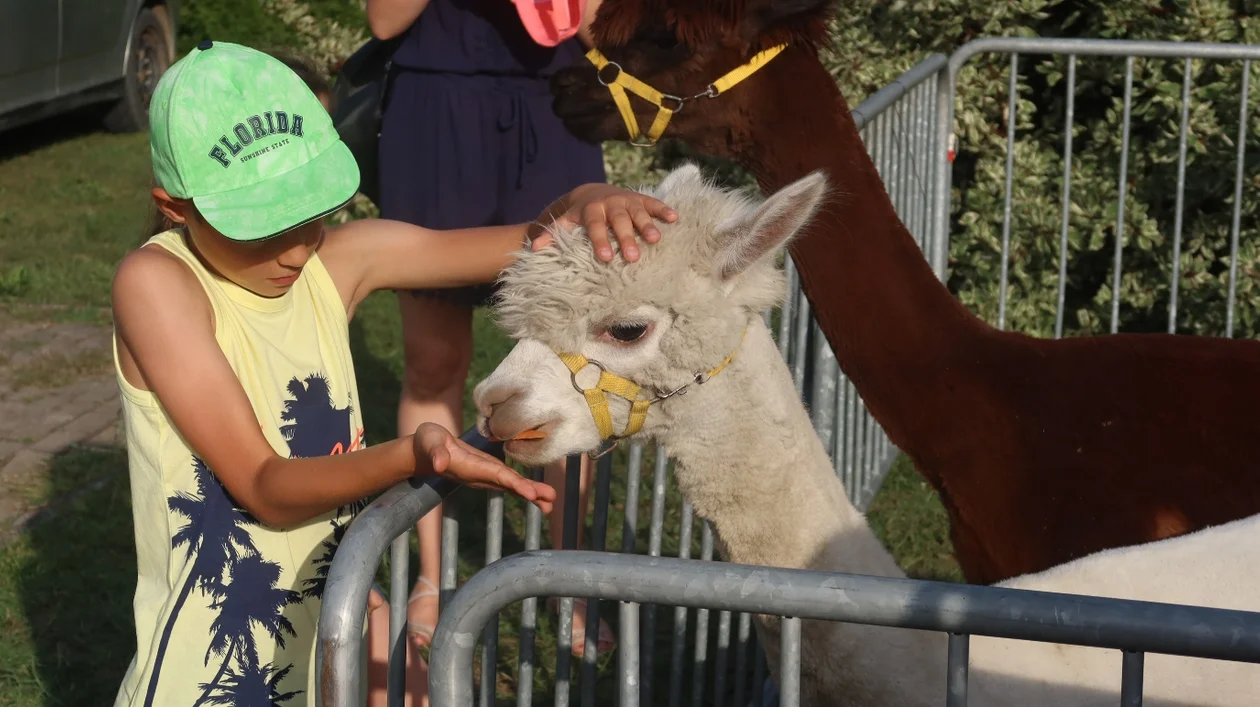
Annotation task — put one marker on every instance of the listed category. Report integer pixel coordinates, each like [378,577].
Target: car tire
[148,57]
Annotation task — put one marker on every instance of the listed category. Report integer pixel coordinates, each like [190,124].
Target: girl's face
[267,268]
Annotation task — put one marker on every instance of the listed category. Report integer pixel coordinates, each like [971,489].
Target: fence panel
[1156,247]
[1133,627]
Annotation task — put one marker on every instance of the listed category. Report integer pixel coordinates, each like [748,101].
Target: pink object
[550,22]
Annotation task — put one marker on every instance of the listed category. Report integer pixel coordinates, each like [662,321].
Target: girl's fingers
[644,224]
[659,209]
[595,220]
[624,228]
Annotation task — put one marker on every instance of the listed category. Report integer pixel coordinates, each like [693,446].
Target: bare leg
[437,350]
[378,660]
[554,475]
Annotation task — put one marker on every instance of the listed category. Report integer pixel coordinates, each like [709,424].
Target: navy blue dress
[468,137]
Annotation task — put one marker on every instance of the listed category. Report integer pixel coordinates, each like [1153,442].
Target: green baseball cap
[240,134]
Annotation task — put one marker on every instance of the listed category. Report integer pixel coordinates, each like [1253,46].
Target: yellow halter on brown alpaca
[623,82]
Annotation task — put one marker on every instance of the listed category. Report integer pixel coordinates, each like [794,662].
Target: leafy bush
[876,40]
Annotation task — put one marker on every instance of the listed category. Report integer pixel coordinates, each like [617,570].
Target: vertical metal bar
[680,616]
[823,399]
[1238,182]
[564,655]
[919,199]
[790,664]
[742,644]
[943,175]
[759,678]
[719,669]
[1123,190]
[838,438]
[628,616]
[872,457]
[851,438]
[399,555]
[956,673]
[701,661]
[529,610]
[598,543]
[655,530]
[800,354]
[450,553]
[904,158]
[1069,121]
[1004,270]
[785,311]
[490,637]
[1181,193]
[628,660]
[1131,676]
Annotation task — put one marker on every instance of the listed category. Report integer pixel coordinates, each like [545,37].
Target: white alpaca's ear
[747,239]
[687,172]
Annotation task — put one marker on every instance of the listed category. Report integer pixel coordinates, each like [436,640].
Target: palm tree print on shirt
[239,583]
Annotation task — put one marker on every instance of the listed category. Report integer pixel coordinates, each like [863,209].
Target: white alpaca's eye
[627,332]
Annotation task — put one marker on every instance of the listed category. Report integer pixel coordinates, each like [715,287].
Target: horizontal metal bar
[883,601]
[1102,47]
[884,98]
[340,642]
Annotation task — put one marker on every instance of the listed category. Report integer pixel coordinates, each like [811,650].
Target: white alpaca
[749,461]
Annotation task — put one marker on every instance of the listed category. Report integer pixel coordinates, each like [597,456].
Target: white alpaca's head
[679,310]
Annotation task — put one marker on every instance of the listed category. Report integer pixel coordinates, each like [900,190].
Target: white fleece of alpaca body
[1215,567]
[748,460]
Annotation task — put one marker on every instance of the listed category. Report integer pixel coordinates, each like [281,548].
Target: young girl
[246,449]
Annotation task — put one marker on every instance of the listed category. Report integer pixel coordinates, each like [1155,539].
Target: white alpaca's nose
[491,393]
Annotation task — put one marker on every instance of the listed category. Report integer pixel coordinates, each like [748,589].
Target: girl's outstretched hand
[596,207]
[450,456]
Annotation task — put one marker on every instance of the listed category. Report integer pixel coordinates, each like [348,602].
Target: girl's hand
[451,457]
[596,206]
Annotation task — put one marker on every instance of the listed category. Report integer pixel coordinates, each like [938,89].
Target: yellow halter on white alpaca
[625,82]
[629,391]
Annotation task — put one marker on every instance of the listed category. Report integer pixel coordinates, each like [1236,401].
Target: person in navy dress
[468,139]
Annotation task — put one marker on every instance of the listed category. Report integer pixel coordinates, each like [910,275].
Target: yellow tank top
[225,607]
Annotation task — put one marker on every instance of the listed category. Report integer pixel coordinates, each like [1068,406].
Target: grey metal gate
[907,127]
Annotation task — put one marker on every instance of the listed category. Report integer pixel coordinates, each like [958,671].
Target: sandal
[606,642]
[422,631]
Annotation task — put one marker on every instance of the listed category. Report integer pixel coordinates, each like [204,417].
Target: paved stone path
[64,408]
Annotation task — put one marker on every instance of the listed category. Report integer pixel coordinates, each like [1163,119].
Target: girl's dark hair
[305,69]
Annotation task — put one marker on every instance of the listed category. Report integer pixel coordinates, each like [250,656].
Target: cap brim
[299,196]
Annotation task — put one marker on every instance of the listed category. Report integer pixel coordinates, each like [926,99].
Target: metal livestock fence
[908,130]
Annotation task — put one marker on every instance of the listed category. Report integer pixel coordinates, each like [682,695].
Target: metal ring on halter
[649,142]
[589,362]
[679,100]
[604,448]
[599,73]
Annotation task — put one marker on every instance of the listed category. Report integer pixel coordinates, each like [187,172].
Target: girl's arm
[390,18]
[369,255]
[165,324]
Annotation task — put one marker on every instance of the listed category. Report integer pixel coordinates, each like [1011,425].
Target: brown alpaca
[1042,451]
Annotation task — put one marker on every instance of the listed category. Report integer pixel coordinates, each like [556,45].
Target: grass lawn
[72,202]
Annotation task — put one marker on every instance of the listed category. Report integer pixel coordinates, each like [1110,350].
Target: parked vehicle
[59,55]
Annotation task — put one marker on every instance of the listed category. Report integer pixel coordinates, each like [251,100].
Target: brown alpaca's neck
[893,325]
